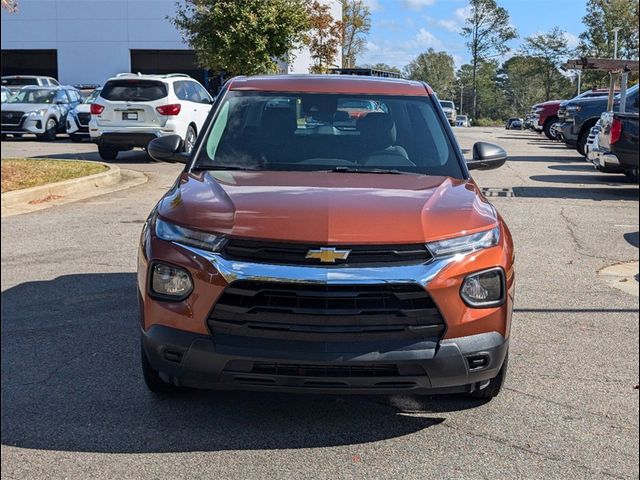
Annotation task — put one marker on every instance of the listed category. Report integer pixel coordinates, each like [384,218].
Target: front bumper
[568,135]
[228,362]
[27,124]
[75,127]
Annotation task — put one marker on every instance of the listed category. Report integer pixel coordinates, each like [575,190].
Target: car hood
[24,107]
[328,208]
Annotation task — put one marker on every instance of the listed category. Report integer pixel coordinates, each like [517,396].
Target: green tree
[522,85]
[435,68]
[323,38]
[602,17]
[356,23]
[551,50]
[490,95]
[487,31]
[245,37]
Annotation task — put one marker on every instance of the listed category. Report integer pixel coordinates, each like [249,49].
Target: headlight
[169,281]
[573,108]
[466,244]
[174,233]
[484,289]
[38,113]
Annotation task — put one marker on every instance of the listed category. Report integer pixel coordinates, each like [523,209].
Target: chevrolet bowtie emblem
[328,255]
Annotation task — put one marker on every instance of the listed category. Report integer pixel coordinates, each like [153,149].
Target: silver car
[38,110]
[449,109]
[16,82]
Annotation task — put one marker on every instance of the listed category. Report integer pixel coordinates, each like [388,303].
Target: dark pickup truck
[580,115]
[615,148]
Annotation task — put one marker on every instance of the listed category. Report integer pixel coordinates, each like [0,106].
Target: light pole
[461,91]
[615,42]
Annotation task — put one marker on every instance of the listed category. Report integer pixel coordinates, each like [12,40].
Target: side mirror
[167,149]
[487,156]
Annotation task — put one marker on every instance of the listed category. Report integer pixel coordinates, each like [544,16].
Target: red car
[546,115]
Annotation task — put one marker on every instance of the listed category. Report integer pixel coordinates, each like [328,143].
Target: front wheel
[152,379]
[107,153]
[582,143]
[50,130]
[495,384]
[548,129]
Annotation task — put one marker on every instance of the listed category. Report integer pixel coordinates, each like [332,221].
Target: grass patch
[18,173]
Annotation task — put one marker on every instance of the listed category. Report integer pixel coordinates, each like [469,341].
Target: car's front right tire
[152,379]
[107,153]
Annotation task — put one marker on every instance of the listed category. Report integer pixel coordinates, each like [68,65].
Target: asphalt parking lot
[74,404]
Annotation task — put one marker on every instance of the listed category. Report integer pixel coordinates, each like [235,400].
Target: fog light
[172,283]
[484,289]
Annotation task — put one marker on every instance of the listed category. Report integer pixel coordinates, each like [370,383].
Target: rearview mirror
[487,156]
[167,149]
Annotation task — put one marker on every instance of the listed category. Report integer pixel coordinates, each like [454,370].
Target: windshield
[133,90]
[19,82]
[92,96]
[317,132]
[446,104]
[461,117]
[33,96]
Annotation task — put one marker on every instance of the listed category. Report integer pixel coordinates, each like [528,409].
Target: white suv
[133,109]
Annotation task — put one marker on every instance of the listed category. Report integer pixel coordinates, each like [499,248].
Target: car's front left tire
[495,384]
[50,130]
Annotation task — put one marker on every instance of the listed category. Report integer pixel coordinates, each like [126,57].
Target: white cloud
[418,4]
[450,25]
[372,47]
[461,14]
[572,40]
[424,39]
[374,5]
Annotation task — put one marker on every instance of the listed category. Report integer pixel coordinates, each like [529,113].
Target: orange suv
[306,250]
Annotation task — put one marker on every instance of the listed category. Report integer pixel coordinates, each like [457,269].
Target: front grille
[295,254]
[84,118]
[305,370]
[12,118]
[326,312]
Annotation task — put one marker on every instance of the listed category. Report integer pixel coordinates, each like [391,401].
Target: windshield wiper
[390,171]
[223,167]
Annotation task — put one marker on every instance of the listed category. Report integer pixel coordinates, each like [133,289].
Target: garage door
[30,62]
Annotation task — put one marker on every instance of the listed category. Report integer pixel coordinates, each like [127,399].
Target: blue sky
[401,29]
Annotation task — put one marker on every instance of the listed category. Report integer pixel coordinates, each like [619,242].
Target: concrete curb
[34,199]
[75,186]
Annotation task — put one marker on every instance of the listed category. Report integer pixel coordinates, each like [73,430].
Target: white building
[88,41]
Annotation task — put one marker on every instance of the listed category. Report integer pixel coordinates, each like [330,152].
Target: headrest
[280,121]
[377,130]
[341,116]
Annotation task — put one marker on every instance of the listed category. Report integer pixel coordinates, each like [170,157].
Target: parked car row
[127,112]
[612,144]
[608,139]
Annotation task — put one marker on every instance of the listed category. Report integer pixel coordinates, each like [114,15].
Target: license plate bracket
[129,115]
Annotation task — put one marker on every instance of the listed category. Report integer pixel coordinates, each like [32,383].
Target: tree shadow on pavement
[71,381]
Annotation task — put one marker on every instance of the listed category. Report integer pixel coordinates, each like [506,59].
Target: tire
[547,128]
[495,384]
[189,139]
[632,175]
[152,379]
[51,130]
[107,153]
[75,138]
[582,142]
